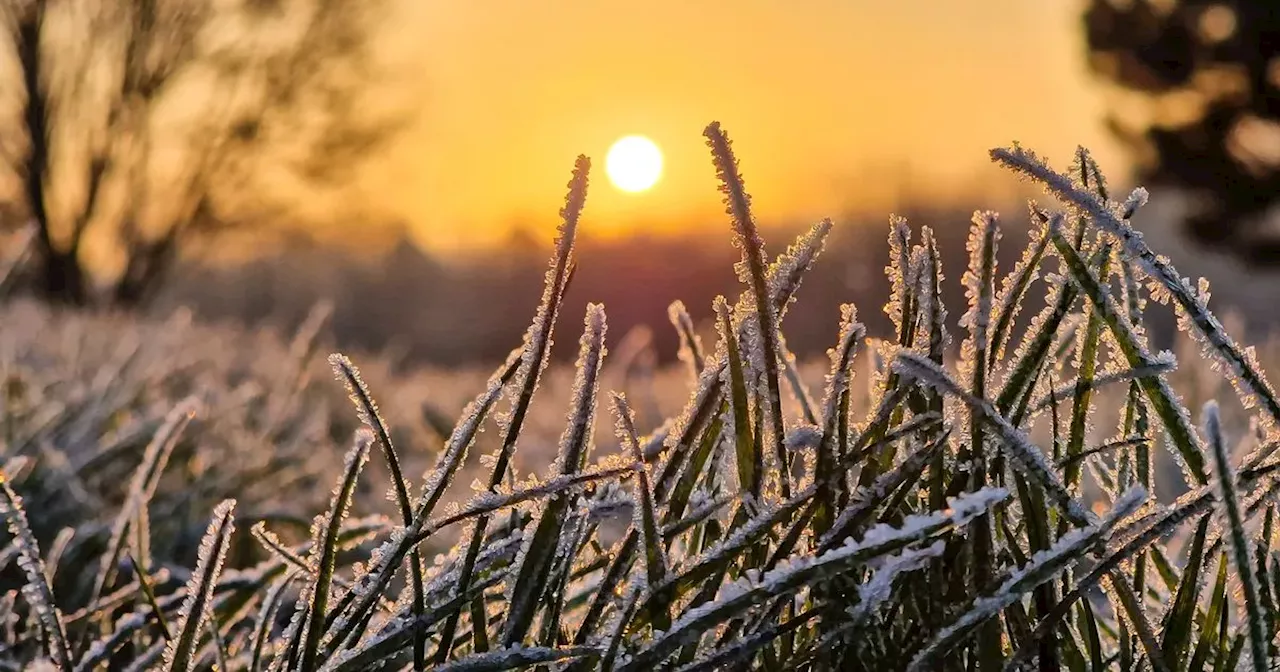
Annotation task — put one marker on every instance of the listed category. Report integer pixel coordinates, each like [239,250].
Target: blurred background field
[404,161]
[204,198]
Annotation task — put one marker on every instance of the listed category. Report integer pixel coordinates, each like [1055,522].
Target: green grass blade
[1086,367]
[325,552]
[149,594]
[646,510]
[1163,400]
[271,603]
[1012,291]
[749,460]
[1259,641]
[1178,625]
[36,590]
[979,282]
[533,360]
[754,272]
[828,478]
[367,409]
[1208,641]
[180,653]
[1246,375]
[533,571]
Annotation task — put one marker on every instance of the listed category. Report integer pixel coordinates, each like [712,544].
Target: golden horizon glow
[634,164]
[839,107]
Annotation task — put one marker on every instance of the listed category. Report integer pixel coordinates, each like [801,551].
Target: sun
[634,163]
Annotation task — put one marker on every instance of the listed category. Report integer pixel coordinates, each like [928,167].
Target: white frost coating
[840,374]
[179,653]
[803,437]
[36,589]
[609,501]
[1021,451]
[1014,285]
[931,295]
[984,239]
[878,588]
[1137,199]
[794,573]
[896,271]
[788,268]
[690,351]
[575,440]
[1241,365]
[1040,567]
[1162,363]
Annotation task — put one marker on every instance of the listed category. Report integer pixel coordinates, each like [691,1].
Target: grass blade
[179,654]
[36,590]
[533,569]
[754,272]
[1259,642]
[325,551]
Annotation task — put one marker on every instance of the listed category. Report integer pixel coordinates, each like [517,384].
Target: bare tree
[149,123]
[1206,73]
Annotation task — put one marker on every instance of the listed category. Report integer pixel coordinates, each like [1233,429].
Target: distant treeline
[473,307]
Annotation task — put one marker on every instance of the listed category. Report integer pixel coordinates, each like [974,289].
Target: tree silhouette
[142,124]
[1200,111]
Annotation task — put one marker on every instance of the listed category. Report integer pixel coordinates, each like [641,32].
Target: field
[1048,492]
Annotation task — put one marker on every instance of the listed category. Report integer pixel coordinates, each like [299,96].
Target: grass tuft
[964,509]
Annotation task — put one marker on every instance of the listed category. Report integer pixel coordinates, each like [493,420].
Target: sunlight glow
[634,163]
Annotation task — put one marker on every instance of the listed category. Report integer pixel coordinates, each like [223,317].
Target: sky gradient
[833,106]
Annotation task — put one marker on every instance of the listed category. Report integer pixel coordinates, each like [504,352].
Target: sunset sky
[830,103]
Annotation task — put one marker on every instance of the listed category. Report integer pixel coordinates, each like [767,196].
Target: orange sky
[827,101]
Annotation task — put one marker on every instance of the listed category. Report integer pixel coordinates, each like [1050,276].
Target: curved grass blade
[1044,566]
[367,409]
[1259,641]
[691,352]
[271,603]
[1158,392]
[1246,375]
[537,345]
[146,478]
[325,552]
[179,654]
[36,590]
[754,272]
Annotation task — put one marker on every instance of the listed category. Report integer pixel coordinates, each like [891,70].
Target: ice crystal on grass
[180,651]
[752,529]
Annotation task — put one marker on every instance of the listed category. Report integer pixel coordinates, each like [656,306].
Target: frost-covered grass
[178,497]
